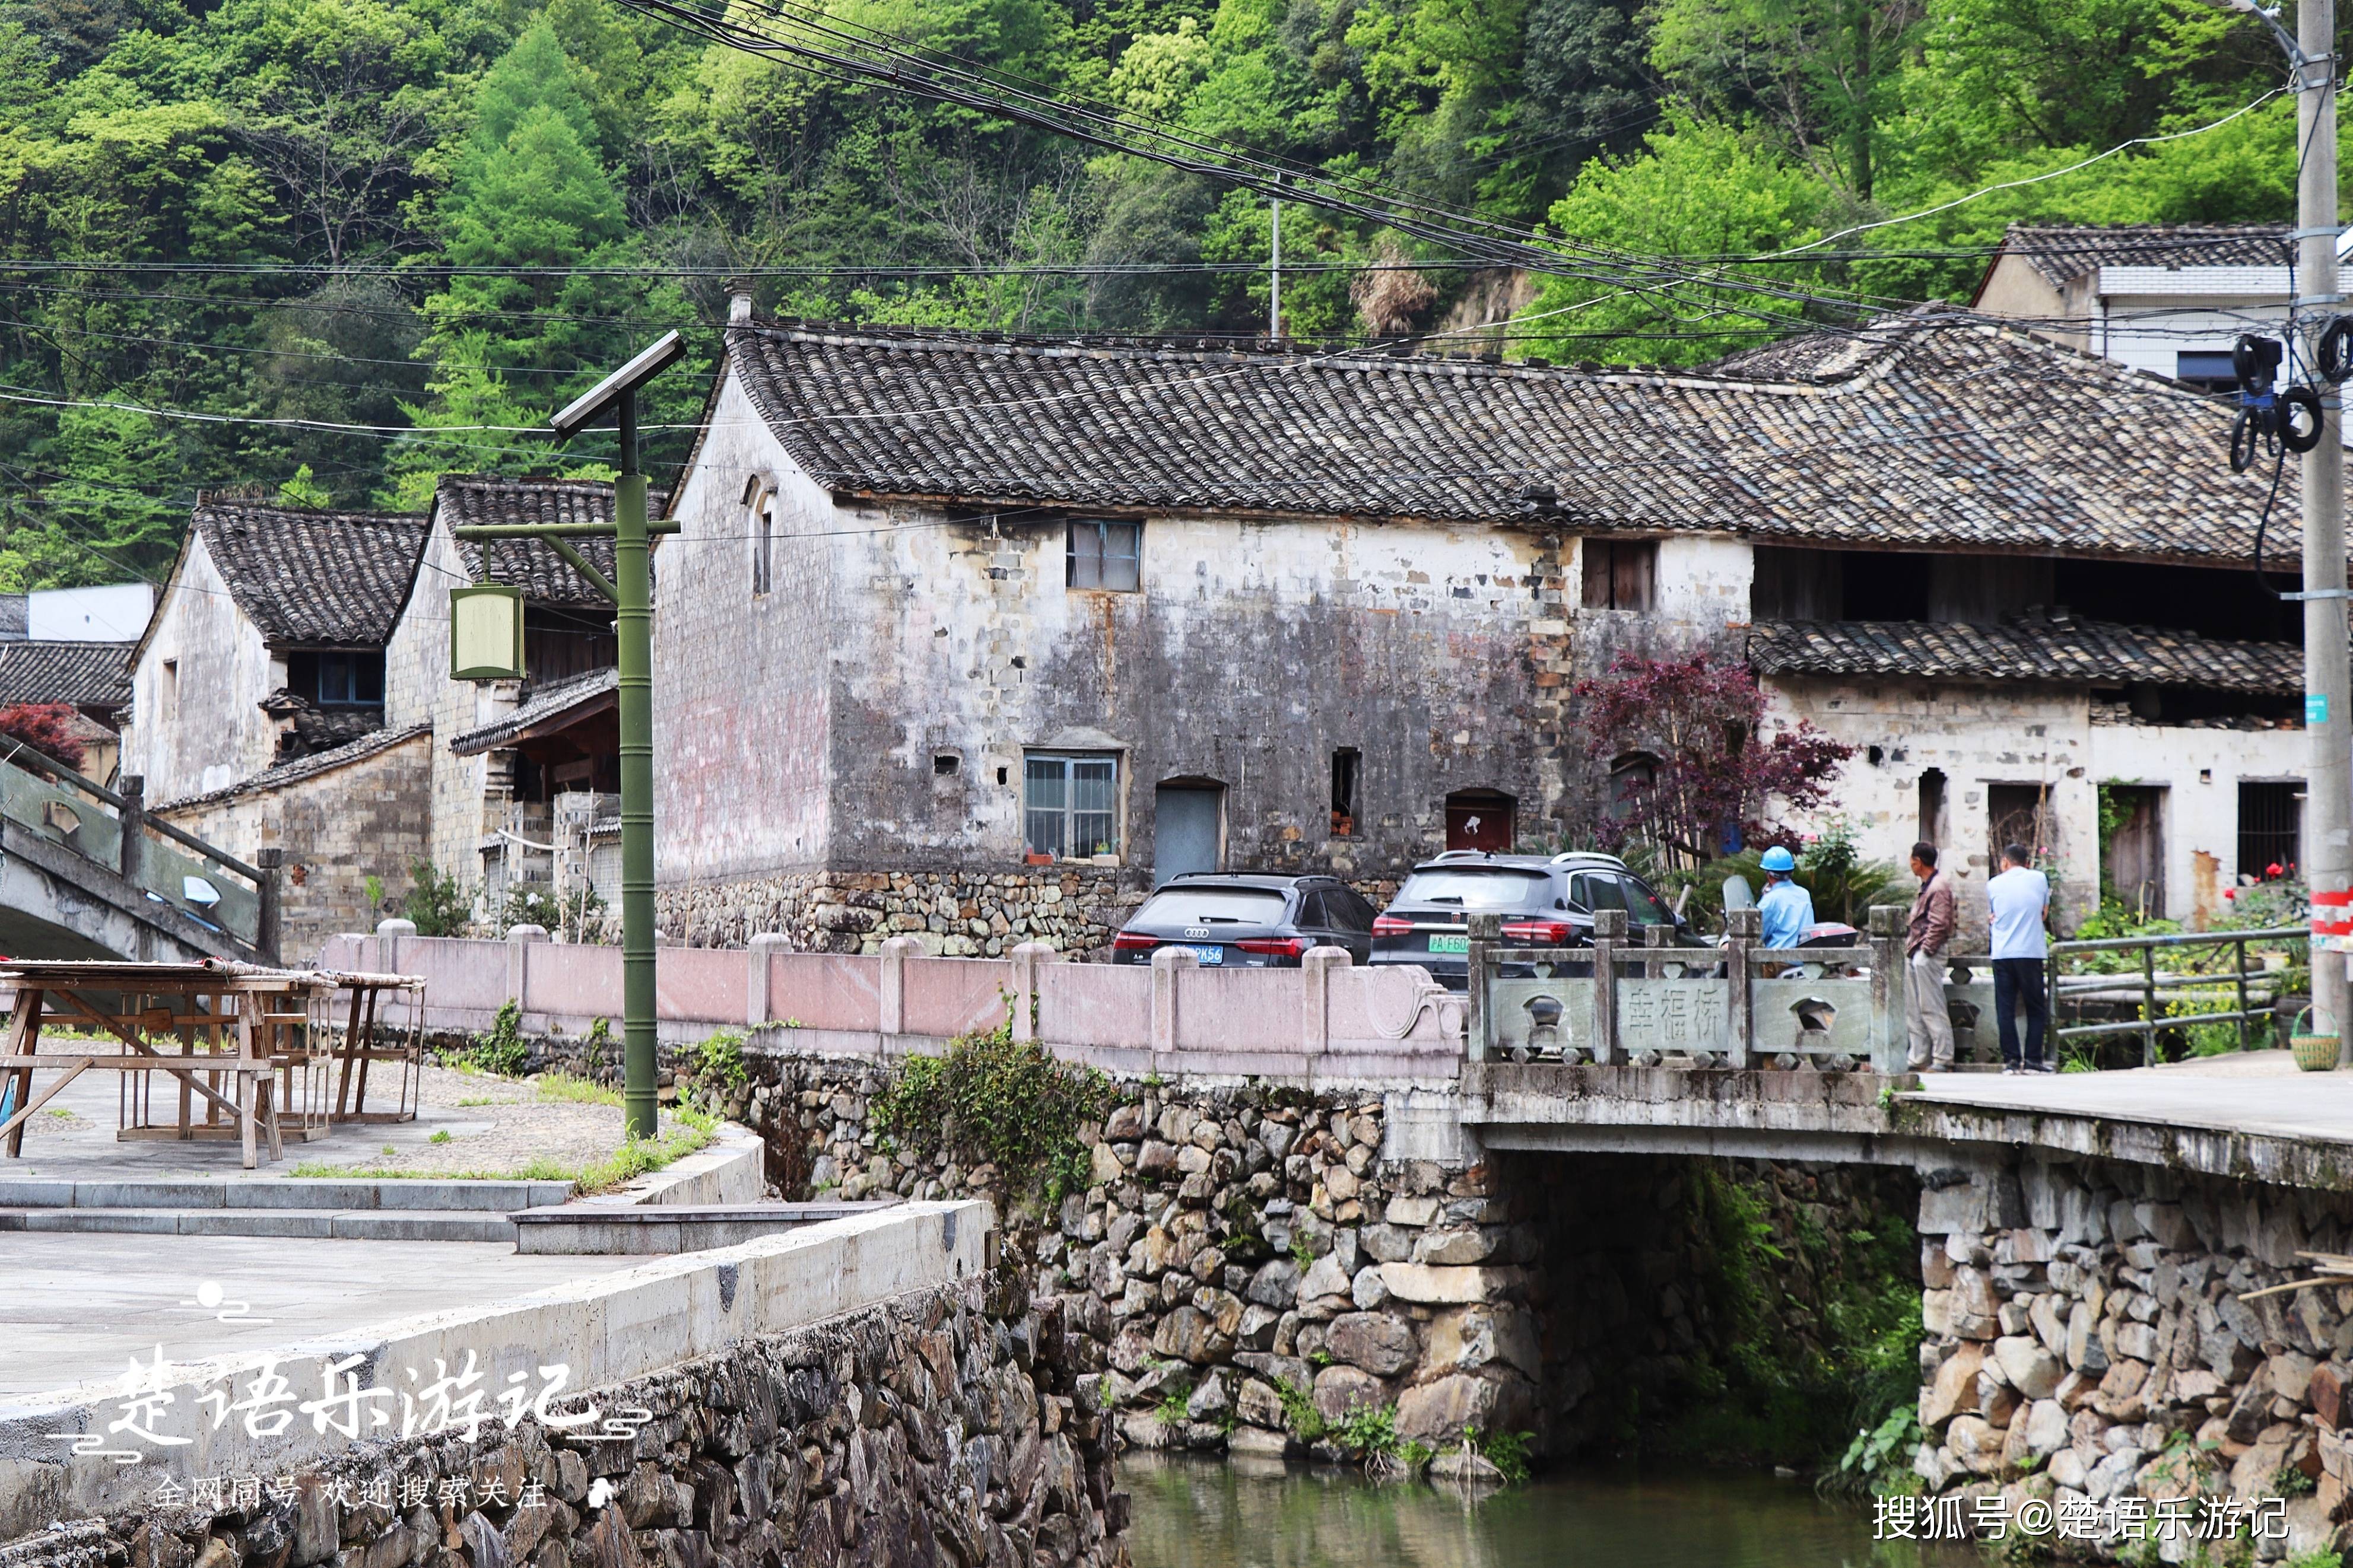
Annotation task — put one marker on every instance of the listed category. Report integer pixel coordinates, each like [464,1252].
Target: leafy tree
[1699,189]
[48,728]
[1695,730]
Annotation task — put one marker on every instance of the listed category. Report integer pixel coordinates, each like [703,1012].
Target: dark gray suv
[1240,919]
[1545,903]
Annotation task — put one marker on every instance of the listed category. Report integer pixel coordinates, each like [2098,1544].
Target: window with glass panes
[1070,803]
[1104,554]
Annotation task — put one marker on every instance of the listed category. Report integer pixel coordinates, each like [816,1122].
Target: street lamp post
[631,591]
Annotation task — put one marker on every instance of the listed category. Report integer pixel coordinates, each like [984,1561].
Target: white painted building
[2170,299]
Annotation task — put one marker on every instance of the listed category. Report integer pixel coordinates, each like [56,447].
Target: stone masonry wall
[1230,1239]
[369,815]
[955,914]
[960,1428]
[2089,1339]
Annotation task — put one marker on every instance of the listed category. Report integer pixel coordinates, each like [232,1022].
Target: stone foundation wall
[1236,1243]
[961,1429]
[2088,1340]
[1230,1240]
[956,914]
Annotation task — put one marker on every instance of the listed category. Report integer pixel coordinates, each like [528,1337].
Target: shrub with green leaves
[995,1098]
[437,904]
[719,1060]
[501,1048]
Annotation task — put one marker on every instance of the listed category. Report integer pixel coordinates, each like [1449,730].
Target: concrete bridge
[86,873]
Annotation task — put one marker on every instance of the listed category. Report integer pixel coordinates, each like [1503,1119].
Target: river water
[1201,1513]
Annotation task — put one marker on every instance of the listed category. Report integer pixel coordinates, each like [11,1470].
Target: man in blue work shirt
[1787,909]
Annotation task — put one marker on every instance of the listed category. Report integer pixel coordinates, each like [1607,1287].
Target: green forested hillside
[290,211]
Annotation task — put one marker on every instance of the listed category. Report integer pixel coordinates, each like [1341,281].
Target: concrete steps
[344,1208]
[347,1225]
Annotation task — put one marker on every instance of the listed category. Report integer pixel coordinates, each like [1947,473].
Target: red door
[1479,819]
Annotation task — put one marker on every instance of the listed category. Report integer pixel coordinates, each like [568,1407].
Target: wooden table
[238,1026]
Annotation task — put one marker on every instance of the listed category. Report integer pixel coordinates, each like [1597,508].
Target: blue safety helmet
[1778,859]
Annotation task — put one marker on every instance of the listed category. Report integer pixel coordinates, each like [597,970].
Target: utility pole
[2327,664]
[1274,290]
[2327,834]
[631,591]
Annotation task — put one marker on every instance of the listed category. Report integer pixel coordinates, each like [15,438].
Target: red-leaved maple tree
[46,727]
[1691,758]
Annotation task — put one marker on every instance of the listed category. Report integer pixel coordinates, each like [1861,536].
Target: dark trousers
[2016,981]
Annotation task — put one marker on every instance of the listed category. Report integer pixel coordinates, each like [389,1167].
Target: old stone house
[976,637]
[525,773]
[256,716]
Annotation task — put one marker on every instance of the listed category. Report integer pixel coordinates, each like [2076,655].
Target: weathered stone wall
[1229,1239]
[2089,1340]
[371,814]
[960,1428]
[2044,737]
[197,725]
[954,913]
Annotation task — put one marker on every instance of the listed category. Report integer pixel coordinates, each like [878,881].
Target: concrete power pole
[2327,664]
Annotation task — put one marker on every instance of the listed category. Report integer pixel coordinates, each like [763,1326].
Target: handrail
[220,858]
[2181,939]
[23,755]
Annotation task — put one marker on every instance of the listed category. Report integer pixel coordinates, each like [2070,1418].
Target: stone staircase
[355,1209]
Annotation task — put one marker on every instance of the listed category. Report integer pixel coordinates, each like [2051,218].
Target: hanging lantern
[486,633]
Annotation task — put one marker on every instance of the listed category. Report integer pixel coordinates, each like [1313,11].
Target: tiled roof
[547,702]
[466,501]
[1929,430]
[304,767]
[84,674]
[2062,254]
[2030,647]
[334,579]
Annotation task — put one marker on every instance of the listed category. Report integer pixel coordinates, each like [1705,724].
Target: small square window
[1620,574]
[1070,803]
[1104,554]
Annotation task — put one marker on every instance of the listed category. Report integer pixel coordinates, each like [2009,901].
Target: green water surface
[1201,1513]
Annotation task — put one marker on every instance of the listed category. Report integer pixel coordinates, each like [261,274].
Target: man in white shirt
[2021,899]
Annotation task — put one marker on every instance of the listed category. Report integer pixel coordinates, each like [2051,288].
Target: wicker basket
[2315,1053]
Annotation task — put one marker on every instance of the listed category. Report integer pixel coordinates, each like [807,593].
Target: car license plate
[1210,957]
[1450,945]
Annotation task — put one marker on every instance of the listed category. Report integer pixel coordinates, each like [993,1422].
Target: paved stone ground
[495,1126]
[2252,1091]
[78,1307]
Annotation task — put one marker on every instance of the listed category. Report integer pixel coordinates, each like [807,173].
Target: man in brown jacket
[1927,1021]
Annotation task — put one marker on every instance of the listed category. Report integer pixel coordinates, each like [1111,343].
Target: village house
[93,678]
[256,716]
[2168,298]
[526,775]
[979,636]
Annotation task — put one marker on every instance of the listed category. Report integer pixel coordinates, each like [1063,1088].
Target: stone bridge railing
[1634,999]
[1323,1021]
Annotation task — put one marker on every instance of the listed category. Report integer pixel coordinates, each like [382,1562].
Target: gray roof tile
[1928,431]
[2032,646]
[84,674]
[466,501]
[334,579]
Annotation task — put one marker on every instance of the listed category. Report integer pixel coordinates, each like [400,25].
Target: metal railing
[2253,991]
[112,829]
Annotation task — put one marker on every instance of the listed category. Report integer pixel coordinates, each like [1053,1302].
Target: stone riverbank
[959,1428]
